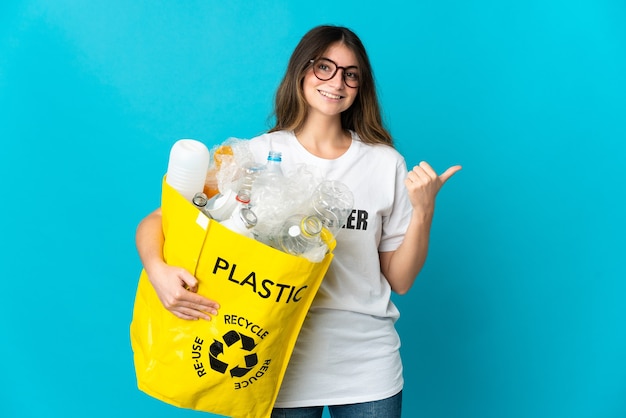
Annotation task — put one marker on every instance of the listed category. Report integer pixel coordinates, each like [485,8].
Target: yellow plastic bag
[234,364]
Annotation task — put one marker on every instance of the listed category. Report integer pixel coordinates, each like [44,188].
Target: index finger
[198,301]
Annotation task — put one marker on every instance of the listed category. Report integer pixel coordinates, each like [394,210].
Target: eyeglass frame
[337,68]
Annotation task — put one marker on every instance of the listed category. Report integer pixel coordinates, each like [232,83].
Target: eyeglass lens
[325,69]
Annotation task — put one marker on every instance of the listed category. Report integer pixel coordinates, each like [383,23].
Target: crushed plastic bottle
[211,187]
[332,201]
[297,212]
[251,172]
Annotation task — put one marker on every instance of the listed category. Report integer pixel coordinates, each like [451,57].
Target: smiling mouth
[330,95]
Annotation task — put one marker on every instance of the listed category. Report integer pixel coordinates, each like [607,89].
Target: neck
[324,137]
[322,128]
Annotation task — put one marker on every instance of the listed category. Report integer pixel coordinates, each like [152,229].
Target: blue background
[520,309]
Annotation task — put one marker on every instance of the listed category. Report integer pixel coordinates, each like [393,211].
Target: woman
[327,115]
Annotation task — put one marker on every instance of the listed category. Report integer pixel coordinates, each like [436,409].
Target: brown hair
[290,107]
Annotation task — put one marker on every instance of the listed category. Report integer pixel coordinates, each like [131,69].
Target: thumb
[191,283]
[445,176]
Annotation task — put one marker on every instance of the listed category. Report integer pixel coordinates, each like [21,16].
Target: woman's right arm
[175,286]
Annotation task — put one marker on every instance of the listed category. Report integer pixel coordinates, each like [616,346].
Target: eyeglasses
[325,69]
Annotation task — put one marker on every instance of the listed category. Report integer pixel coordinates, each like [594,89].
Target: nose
[337,80]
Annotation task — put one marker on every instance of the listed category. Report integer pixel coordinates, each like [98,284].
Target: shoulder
[379,151]
[270,137]
[262,144]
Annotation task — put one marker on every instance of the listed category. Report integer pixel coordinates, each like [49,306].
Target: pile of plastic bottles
[294,212]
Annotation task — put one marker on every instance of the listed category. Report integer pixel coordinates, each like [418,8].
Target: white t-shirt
[348,348]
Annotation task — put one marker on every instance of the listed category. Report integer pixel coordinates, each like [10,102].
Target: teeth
[330,96]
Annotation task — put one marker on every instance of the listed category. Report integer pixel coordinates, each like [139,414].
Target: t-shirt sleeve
[396,222]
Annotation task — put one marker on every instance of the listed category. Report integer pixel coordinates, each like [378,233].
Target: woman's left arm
[401,266]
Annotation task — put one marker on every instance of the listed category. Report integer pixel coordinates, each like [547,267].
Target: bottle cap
[248,217]
[243,196]
[274,156]
[200,199]
[311,226]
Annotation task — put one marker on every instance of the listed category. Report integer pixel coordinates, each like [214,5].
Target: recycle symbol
[230,338]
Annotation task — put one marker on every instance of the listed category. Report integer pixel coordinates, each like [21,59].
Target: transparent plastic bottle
[332,201]
[270,176]
[251,172]
[274,160]
[269,196]
[300,235]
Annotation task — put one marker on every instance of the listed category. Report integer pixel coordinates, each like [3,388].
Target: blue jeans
[385,408]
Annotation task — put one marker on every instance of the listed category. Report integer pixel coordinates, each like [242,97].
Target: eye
[323,67]
[352,74]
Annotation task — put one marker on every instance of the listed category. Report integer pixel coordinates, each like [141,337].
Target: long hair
[290,107]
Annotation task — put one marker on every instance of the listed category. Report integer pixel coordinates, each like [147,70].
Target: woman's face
[333,96]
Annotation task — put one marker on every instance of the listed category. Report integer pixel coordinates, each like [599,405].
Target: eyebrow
[347,66]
